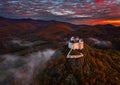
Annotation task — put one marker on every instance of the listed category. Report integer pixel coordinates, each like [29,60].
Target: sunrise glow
[72,11]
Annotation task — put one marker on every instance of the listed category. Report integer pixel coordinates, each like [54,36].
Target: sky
[73,11]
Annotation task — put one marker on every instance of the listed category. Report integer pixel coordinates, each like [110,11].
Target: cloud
[81,16]
[100,43]
[117,1]
[20,42]
[23,68]
[61,12]
[52,9]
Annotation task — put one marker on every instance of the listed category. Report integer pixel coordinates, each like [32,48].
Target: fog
[100,43]
[21,43]
[23,68]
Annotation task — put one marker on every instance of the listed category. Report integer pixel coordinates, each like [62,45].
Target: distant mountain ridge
[29,29]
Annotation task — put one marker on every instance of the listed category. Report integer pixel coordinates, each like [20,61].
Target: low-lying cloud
[100,43]
[23,68]
[21,43]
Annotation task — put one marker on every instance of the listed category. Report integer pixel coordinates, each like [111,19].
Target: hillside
[97,67]
[28,28]
[54,30]
[33,30]
[100,31]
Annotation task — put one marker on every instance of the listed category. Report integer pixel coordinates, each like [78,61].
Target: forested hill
[97,67]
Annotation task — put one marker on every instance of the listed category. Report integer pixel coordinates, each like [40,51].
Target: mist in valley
[21,69]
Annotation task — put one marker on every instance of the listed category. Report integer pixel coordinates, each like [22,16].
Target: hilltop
[97,67]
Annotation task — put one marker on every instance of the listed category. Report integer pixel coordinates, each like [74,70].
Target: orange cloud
[94,22]
[113,22]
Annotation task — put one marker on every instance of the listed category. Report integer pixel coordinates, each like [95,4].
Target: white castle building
[75,44]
